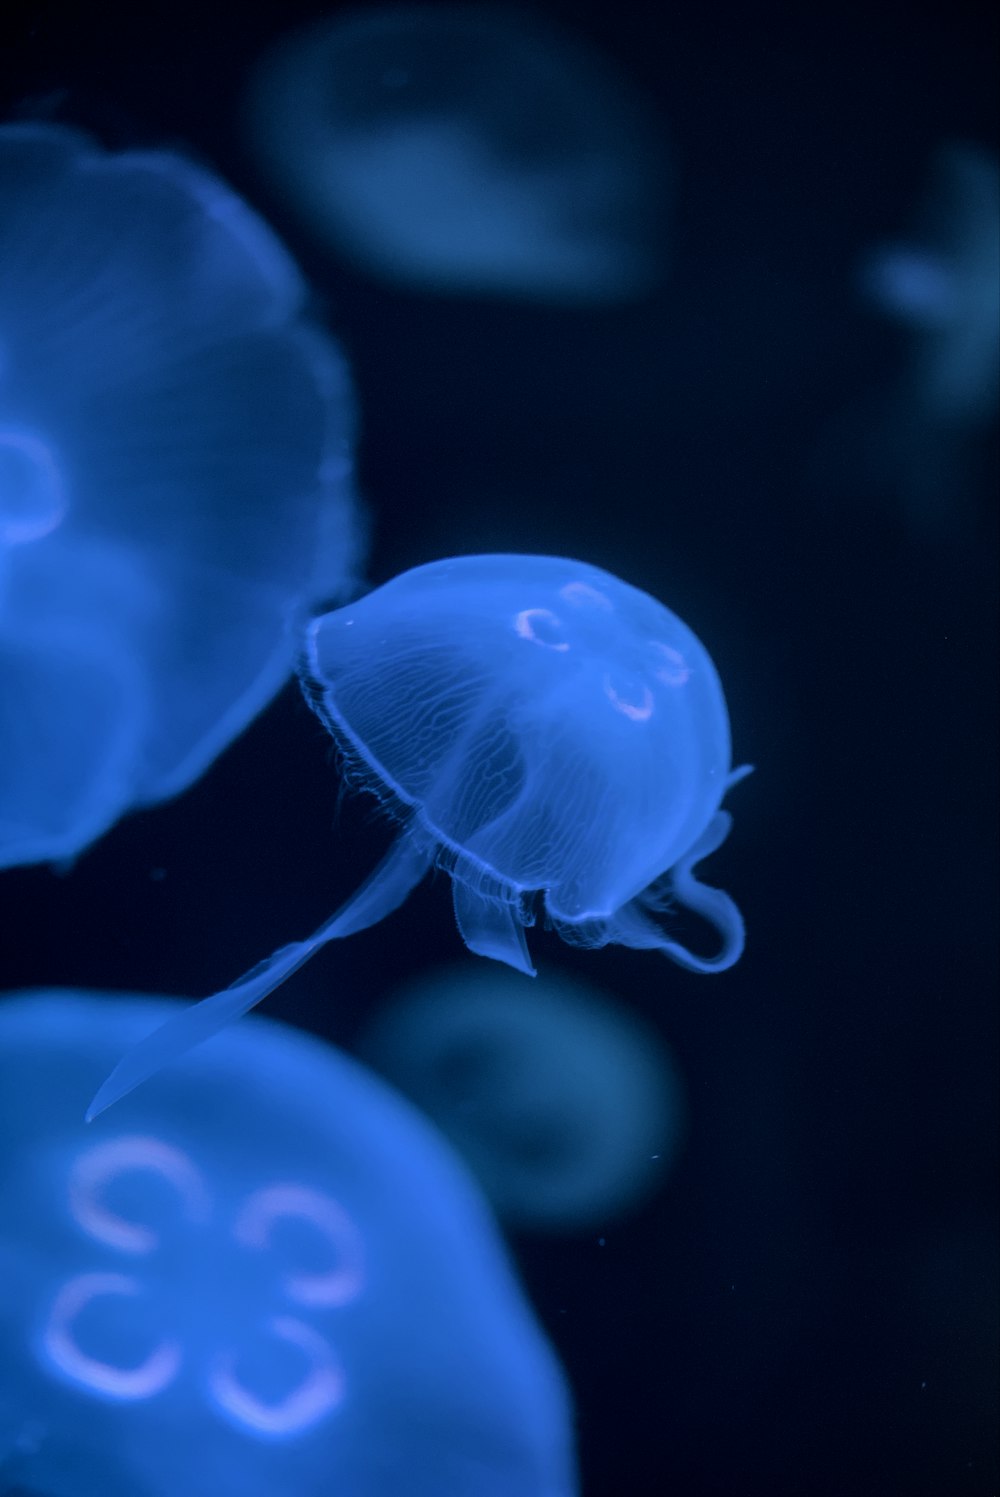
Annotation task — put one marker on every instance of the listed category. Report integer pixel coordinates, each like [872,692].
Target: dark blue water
[809,1304]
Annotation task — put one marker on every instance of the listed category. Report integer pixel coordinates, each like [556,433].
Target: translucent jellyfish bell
[920,437]
[467,148]
[567,1110]
[175,480]
[543,729]
[265,1275]
[945,286]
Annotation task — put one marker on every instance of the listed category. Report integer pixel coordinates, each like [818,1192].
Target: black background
[809,1305]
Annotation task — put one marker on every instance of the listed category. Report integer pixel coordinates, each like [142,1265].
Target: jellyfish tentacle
[736,776]
[402,868]
[490,927]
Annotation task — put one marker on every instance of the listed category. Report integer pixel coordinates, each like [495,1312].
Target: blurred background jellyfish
[466,148]
[945,286]
[566,1108]
[543,729]
[265,1275]
[175,480]
[917,438]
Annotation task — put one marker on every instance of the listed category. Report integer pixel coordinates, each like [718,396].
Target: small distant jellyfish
[544,732]
[265,1275]
[917,439]
[567,1110]
[175,480]
[945,286]
[466,149]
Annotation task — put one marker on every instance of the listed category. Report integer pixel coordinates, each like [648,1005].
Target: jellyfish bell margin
[545,731]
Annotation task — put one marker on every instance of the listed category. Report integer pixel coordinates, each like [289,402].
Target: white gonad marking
[671,668]
[319,1393]
[581,594]
[637,712]
[124,1384]
[103,1165]
[274,1203]
[535,623]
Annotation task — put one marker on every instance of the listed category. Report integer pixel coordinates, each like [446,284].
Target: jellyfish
[945,286]
[466,149]
[567,1110]
[175,480]
[543,730]
[917,439]
[266,1274]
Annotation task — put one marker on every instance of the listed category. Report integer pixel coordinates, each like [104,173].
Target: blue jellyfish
[565,1107]
[945,286]
[466,149]
[916,438]
[175,480]
[263,1275]
[541,728]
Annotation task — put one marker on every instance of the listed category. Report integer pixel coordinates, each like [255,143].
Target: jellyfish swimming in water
[923,437]
[472,149]
[565,1107]
[543,730]
[265,1274]
[944,285]
[175,480]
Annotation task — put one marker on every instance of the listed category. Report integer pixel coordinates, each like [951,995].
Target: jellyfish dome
[944,285]
[466,149]
[566,1108]
[545,732]
[175,480]
[918,438]
[264,1275]
[551,729]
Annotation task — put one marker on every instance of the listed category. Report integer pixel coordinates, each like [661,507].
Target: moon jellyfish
[467,149]
[918,438]
[545,732]
[264,1275]
[945,286]
[567,1110]
[175,480]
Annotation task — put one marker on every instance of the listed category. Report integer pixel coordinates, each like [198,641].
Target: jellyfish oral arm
[711,904]
[402,868]
[632,927]
[489,927]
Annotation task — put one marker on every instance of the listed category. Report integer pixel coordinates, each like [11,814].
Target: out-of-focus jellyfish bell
[466,148]
[542,728]
[265,1275]
[566,1109]
[916,438]
[945,285]
[175,480]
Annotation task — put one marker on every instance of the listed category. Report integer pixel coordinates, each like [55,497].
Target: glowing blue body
[174,480]
[552,728]
[545,729]
[565,1107]
[263,1275]
[466,149]
[946,286]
